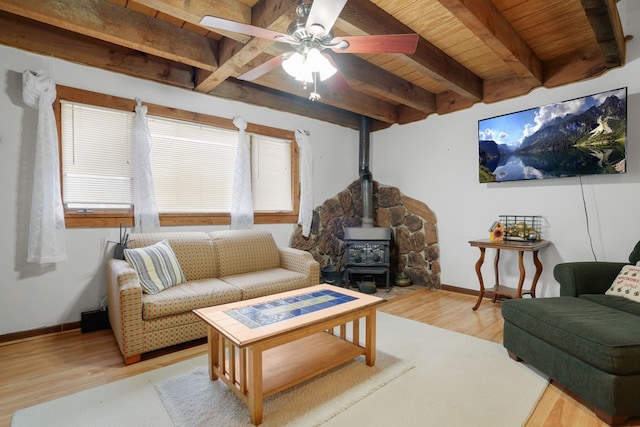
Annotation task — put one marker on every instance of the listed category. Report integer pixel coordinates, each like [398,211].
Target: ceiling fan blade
[324,14]
[384,43]
[262,69]
[216,23]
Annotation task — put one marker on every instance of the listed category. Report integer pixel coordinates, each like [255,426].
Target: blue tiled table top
[267,313]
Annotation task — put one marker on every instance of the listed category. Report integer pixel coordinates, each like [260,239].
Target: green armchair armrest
[588,277]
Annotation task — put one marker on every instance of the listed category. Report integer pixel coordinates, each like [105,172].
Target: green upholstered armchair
[590,277]
[584,339]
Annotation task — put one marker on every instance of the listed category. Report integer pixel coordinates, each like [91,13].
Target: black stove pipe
[366,178]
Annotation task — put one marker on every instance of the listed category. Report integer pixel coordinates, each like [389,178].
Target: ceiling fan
[309,35]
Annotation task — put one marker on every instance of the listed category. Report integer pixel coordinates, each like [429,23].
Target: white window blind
[96,156]
[270,173]
[192,164]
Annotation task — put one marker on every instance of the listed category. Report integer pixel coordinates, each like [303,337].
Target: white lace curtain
[241,199]
[145,209]
[46,243]
[305,215]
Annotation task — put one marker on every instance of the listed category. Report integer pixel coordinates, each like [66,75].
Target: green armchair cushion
[618,303]
[599,336]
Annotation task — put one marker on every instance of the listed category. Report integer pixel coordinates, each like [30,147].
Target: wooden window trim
[115,217]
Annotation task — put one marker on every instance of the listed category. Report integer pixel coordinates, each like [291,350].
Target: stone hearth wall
[414,238]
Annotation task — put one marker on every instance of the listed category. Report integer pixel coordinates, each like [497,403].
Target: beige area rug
[192,400]
[424,376]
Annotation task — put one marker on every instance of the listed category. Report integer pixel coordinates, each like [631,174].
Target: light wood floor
[39,369]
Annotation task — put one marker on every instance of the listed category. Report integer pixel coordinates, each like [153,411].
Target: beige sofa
[219,267]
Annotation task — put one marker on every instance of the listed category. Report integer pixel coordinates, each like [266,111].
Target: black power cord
[586,216]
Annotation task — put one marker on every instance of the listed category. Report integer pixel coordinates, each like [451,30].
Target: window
[96,157]
[192,164]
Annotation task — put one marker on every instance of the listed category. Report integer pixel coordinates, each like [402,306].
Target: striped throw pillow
[156,265]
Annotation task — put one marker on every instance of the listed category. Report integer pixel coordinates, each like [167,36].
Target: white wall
[436,161]
[34,296]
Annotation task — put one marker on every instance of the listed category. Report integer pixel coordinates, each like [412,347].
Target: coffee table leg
[254,378]
[213,341]
[370,339]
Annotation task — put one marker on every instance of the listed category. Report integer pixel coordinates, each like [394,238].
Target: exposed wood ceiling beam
[272,14]
[576,66]
[109,22]
[353,101]
[408,115]
[487,23]
[161,40]
[503,87]
[193,10]
[608,31]
[364,17]
[252,93]
[362,74]
[41,38]
[384,84]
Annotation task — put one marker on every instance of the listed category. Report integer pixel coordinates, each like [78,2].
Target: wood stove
[367,251]
[367,247]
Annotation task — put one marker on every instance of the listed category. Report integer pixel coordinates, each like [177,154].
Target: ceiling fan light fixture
[310,34]
[305,77]
[294,65]
[302,67]
[318,63]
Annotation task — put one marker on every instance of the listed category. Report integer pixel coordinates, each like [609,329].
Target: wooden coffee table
[262,346]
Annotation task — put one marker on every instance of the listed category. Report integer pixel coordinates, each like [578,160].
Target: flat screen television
[582,136]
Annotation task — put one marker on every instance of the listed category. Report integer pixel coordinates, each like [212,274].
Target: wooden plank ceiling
[469,51]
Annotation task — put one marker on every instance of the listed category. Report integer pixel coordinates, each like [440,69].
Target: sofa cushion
[600,336]
[193,249]
[267,282]
[171,322]
[156,265]
[626,284]
[618,303]
[156,336]
[244,251]
[188,296]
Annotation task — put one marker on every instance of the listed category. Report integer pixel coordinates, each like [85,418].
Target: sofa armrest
[588,277]
[124,300]
[301,262]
